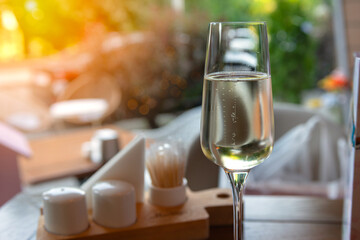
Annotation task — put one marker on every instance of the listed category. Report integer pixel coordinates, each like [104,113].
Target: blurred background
[145,58]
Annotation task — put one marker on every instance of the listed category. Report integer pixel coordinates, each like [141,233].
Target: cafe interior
[102,119]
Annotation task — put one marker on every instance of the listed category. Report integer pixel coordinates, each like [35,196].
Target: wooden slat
[351,12]
[295,209]
[281,231]
[352,23]
[19,218]
[353,37]
[355,207]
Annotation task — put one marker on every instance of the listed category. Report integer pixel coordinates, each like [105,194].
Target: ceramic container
[65,211]
[104,144]
[114,203]
[168,197]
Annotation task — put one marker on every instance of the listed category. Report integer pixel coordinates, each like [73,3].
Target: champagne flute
[237,126]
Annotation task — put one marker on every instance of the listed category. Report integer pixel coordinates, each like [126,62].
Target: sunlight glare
[31,5]
[8,20]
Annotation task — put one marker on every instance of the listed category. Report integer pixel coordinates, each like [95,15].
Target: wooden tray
[192,220]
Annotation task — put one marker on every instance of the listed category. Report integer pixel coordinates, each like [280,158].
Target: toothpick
[166,164]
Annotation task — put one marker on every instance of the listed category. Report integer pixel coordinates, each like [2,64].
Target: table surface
[60,156]
[266,217]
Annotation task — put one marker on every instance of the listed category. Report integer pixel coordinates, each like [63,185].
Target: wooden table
[285,217]
[266,217]
[60,156]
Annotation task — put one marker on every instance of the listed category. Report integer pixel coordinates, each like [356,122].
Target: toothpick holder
[168,197]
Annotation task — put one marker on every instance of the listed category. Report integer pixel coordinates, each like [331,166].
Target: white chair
[318,172]
[308,159]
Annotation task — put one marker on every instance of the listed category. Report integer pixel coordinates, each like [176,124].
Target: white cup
[168,197]
[65,211]
[114,203]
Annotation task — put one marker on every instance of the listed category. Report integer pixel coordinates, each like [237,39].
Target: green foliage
[292,43]
[292,51]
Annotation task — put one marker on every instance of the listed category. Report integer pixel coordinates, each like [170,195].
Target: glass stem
[237,180]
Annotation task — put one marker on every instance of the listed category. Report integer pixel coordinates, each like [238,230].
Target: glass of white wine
[237,126]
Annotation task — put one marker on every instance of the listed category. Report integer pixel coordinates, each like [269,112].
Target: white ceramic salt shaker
[114,203]
[65,211]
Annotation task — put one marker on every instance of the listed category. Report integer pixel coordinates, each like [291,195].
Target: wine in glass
[237,129]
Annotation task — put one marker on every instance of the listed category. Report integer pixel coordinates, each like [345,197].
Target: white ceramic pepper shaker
[114,203]
[65,211]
